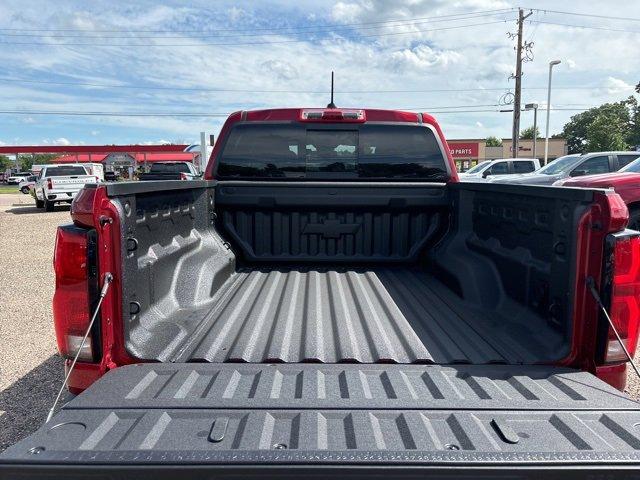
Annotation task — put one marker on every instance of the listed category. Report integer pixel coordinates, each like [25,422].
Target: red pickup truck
[331,301]
[626,183]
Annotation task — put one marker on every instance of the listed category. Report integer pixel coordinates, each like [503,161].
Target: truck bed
[348,273]
[389,315]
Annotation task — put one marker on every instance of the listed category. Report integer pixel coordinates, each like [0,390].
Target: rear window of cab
[362,152]
[64,171]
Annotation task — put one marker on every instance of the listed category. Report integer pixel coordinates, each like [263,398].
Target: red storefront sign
[464,149]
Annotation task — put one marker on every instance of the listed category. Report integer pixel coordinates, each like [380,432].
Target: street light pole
[534,107]
[535,129]
[546,136]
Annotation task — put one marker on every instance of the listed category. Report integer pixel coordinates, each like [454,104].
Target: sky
[185,66]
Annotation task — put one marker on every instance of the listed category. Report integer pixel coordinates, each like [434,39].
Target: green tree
[618,114]
[605,132]
[5,162]
[527,133]
[633,138]
[26,161]
[493,142]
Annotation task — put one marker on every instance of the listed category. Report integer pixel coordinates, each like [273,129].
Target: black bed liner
[332,272]
[392,315]
[211,420]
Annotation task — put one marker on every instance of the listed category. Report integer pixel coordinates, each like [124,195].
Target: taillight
[76,289]
[624,300]
[49,184]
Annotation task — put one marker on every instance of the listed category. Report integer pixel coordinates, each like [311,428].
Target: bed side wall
[174,263]
[515,244]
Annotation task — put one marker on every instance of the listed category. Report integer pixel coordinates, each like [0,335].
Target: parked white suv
[16,178]
[60,183]
[499,166]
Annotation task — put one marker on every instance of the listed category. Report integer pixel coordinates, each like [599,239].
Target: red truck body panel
[626,184]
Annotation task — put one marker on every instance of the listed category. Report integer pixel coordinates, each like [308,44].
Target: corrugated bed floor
[382,315]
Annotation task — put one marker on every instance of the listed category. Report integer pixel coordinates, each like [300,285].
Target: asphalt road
[30,368]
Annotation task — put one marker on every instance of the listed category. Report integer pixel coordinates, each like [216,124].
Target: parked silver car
[574,165]
[499,166]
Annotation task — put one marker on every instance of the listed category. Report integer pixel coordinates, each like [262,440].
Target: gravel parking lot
[30,369]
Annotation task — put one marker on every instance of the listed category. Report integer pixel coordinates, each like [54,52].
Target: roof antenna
[331,104]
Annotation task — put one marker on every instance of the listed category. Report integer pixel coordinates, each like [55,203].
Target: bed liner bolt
[132,244]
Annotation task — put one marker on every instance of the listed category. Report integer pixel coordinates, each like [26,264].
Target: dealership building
[469,152]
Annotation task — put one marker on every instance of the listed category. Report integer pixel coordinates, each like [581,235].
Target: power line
[607,17]
[446,107]
[202,44]
[292,30]
[592,27]
[553,109]
[306,29]
[112,114]
[215,114]
[233,90]
[252,29]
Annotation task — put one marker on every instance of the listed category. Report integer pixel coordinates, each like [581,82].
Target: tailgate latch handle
[218,429]
[505,432]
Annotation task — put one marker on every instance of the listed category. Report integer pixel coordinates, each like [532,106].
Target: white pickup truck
[60,183]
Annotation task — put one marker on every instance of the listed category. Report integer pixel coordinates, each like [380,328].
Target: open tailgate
[319,420]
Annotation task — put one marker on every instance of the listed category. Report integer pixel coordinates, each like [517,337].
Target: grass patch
[9,189]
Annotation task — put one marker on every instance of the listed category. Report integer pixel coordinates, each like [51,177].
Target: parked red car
[626,183]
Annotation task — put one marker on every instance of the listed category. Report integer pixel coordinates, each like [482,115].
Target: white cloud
[61,141]
[370,57]
[82,21]
[616,85]
[236,13]
[283,70]
[424,57]
[155,142]
[344,12]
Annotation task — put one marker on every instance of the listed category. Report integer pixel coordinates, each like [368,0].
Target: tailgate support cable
[108,278]
[592,287]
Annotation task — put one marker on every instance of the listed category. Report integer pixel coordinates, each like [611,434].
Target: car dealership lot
[31,370]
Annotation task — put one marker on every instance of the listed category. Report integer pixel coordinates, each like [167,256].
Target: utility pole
[515,134]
